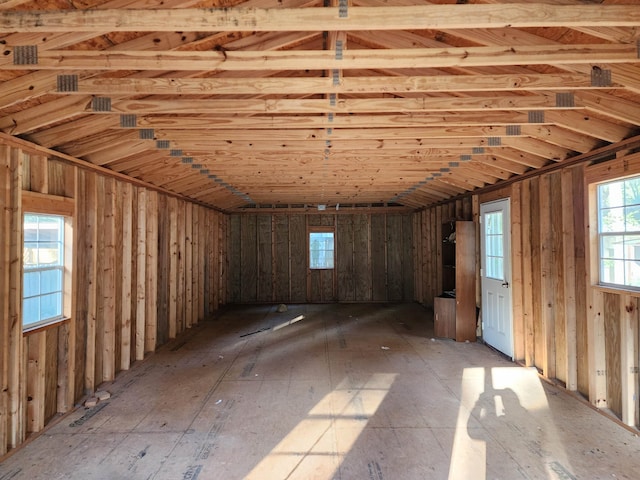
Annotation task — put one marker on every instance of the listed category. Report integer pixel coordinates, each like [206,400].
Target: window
[43,269]
[321,250]
[494,242]
[619,232]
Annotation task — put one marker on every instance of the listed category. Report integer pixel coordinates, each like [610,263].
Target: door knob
[505,284]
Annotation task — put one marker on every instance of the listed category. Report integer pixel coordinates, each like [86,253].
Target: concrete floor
[329,392]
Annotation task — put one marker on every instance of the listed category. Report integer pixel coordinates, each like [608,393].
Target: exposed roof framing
[369,103]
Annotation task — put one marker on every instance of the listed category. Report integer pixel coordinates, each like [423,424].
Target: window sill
[40,328]
[617,290]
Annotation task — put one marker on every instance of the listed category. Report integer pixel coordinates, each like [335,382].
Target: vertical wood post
[173,266]
[141,274]
[109,283]
[16,353]
[629,358]
[568,247]
[151,310]
[127,274]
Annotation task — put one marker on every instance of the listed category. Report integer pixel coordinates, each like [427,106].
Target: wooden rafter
[331,19]
[292,60]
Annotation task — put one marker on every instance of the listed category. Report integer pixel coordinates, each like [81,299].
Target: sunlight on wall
[319,443]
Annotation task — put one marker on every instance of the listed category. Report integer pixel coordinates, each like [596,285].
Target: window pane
[612,246]
[321,250]
[51,281]
[612,271]
[31,284]
[611,194]
[612,220]
[31,310]
[43,268]
[50,306]
[632,217]
[632,191]
[632,274]
[49,254]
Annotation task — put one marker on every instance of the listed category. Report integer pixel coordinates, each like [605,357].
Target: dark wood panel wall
[268,258]
[146,266]
[574,332]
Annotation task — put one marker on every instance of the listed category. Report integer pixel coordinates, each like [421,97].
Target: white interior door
[495,273]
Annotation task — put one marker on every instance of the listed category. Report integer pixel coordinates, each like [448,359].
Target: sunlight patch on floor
[330,429]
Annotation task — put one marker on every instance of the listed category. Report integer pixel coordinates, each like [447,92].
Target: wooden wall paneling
[141,273]
[475,213]
[200,259]
[597,367]
[188,273]
[38,173]
[467,208]
[173,267]
[281,258]
[85,270]
[134,272]
[344,259]
[151,318]
[433,255]
[16,354]
[5,265]
[56,181]
[438,247]
[546,361]
[234,259]
[210,238]
[527,275]
[127,274]
[517,290]
[109,253]
[180,281]
[629,359]
[540,350]
[98,353]
[395,252]
[298,253]
[597,358]
[66,392]
[118,280]
[581,279]
[362,257]
[162,279]
[265,258]
[407,259]
[36,347]
[248,258]
[557,273]
[611,313]
[223,251]
[197,263]
[378,258]
[51,367]
[569,259]
[419,269]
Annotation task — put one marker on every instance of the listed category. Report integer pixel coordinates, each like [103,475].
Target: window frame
[623,233]
[310,232]
[44,204]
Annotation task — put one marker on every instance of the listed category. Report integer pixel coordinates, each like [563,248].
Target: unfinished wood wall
[268,258]
[146,266]
[575,333]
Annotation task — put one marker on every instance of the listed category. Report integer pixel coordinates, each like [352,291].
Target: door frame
[508,273]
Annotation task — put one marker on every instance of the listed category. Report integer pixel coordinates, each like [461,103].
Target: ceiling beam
[286,60]
[329,18]
[320,106]
[317,85]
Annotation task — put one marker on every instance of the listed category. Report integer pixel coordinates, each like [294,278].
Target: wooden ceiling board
[242,104]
